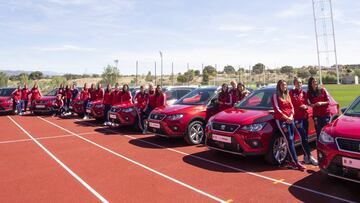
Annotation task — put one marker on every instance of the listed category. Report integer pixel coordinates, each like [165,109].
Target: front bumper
[6,107]
[166,128]
[331,162]
[122,118]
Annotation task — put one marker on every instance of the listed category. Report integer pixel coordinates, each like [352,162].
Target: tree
[4,79]
[36,75]
[357,72]
[287,70]
[148,77]
[205,77]
[313,71]
[95,75]
[302,73]
[258,68]
[210,70]
[197,73]
[57,80]
[70,76]
[189,75]
[181,78]
[110,75]
[228,69]
[24,78]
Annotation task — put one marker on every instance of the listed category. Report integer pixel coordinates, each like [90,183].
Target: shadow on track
[157,140]
[320,182]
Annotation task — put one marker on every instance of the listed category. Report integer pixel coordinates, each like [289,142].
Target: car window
[6,92]
[354,109]
[171,95]
[196,97]
[52,92]
[182,93]
[257,100]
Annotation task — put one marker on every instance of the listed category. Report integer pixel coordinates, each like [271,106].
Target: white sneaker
[310,160]
[85,118]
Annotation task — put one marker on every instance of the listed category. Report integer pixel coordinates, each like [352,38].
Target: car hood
[97,102]
[124,105]
[47,98]
[346,126]
[179,109]
[5,98]
[243,116]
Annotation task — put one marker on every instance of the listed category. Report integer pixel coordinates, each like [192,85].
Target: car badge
[222,127]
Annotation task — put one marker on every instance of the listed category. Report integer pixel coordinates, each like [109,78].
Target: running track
[47,159]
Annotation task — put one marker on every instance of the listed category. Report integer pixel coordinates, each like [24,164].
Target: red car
[96,109]
[187,117]
[249,128]
[339,145]
[124,114]
[45,103]
[6,102]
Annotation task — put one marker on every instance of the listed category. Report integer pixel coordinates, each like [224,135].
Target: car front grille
[224,127]
[41,102]
[115,110]
[157,116]
[348,145]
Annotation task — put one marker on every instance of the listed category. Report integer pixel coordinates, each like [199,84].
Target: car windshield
[52,92]
[259,99]
[354,109]
[6,92]
[197,97]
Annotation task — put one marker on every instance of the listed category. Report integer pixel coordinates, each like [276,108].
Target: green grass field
[344,94]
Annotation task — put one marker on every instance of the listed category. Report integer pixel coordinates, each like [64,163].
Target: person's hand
[303,107]
[318,104]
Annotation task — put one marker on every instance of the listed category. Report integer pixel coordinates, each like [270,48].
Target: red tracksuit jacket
[152,99]
[141,100]
[126,97]
[226,99]
[99,94]
[25,94]
[16,95]
[107,97]
[281,107]
[323,110]
[116,97]
[160,100]
[299,98]
[85,95]
[35,94]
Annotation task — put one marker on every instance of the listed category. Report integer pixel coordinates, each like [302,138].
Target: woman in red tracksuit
[107,103]
[35,93]
[68,97]
[224,98]
[300,103]
[319,100]
[240,93]
[58,105]
[126,94]
[160,97]
[16,96]
[284,118]
[24,97]
[92,92]
[99,92]
[152,100]
[233,91]
[141,101]
[116,95]
[61,91]
[85,98]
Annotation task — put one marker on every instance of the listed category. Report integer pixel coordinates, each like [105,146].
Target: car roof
[273,88]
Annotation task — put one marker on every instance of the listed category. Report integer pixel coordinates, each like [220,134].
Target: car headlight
[99,105]
[127,110]
[175,117]
[9,101]
[253,127]
[209,123]
[325,138]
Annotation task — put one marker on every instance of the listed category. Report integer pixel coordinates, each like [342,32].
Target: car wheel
[278,150]
[195,133]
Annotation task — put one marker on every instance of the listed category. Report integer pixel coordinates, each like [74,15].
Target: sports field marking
[44,138]
[278,181]
[87,186]
[233,168]
[139,164]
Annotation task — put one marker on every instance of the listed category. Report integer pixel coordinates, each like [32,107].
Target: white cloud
[65,47]
[295,10]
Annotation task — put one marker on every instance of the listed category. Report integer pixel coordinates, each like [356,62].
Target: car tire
[195,133]
[278,151]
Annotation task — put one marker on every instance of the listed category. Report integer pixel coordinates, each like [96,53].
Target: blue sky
[84,35]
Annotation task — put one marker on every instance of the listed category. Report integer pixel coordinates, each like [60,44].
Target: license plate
[221,138]
[112,116]
[40,106]
[88,111]
[353,163]
[154,125]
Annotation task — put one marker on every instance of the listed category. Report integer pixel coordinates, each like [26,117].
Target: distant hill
[17,72]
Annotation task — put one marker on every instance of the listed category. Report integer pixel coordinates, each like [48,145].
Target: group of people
[291,115]
[228,97]
[21,97]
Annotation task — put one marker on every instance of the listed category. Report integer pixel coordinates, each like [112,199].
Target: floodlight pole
[161,68]
[188,77]
[172,73]
[136,76]
[155,73]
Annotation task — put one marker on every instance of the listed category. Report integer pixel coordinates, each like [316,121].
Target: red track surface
[122,166]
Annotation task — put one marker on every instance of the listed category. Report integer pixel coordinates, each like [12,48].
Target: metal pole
[172,73]
[336,62]
[216,76]
[317,41]
[136,76]
[155,73]
[188,78]
[161,69]
[202,68]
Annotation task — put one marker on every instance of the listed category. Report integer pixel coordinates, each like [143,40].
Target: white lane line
[87,186]
[44,138]
[231,167]
[138,164]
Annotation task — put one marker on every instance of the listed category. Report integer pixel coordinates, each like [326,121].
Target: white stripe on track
[87,186]
[139,164]
[231,167]
[44,138]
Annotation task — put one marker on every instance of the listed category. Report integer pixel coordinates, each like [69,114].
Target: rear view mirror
[343,109]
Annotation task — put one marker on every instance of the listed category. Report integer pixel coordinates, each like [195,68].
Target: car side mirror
[334,117]
[343,109]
